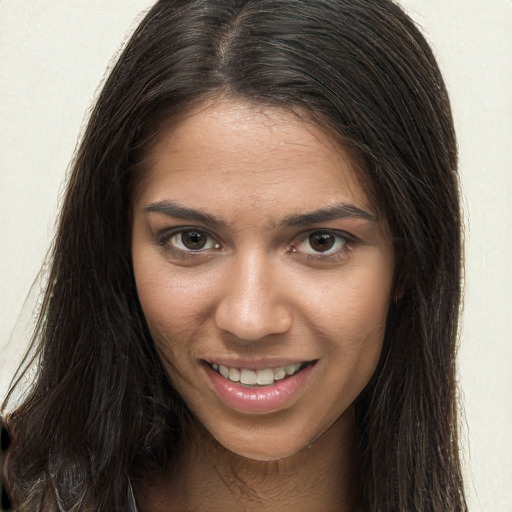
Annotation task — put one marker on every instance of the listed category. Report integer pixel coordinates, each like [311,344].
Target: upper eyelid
[337,232]
[169,232]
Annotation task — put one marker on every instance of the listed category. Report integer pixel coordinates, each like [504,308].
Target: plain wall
[53,55]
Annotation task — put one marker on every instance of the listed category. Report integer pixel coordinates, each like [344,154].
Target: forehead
[234,155]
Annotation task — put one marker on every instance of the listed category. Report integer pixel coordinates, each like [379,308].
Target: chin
[275,446]
[265,454]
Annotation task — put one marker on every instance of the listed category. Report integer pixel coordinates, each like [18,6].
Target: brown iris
[321,241]
[193,240]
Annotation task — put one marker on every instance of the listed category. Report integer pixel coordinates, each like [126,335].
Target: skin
[259,293]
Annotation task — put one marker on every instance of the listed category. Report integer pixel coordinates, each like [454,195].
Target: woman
[255,284]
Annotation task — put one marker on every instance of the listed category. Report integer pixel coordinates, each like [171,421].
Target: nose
[253,302]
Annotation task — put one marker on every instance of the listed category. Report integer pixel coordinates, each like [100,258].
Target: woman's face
[263,273]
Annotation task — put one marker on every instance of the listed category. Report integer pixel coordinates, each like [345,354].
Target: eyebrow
[182,212]
[338,211]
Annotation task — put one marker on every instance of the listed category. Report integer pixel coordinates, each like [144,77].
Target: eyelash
[347,241]
[165,240]
[329,255]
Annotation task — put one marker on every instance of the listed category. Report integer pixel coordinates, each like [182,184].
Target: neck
[206,476]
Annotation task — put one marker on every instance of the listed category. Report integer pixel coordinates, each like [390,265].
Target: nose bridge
[252,304]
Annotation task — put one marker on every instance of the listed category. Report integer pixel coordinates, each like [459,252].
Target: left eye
[192,240]
[321,242]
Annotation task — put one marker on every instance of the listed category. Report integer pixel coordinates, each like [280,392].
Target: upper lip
[257,364]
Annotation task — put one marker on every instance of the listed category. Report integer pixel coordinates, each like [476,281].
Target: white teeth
[234,374]
[291,369]
[248,377]
[224,370]
[263,377]
[279,373]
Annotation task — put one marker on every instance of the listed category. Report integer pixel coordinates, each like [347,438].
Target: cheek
[174,306]
[170,306]
[354,323]
[355,306]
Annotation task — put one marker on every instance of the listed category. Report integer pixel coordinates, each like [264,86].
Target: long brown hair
[101,410]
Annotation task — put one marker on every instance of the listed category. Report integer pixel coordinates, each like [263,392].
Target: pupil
[321,242]
[193,240]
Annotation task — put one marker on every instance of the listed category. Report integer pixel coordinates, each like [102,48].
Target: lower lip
[261,399]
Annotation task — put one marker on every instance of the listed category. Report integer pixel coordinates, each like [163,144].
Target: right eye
[323,244]
[190,240]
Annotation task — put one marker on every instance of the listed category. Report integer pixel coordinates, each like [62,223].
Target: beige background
[53,55]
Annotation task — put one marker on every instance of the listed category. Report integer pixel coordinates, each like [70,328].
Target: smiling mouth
[258,378]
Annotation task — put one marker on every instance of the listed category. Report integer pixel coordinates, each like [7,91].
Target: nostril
[253,324]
